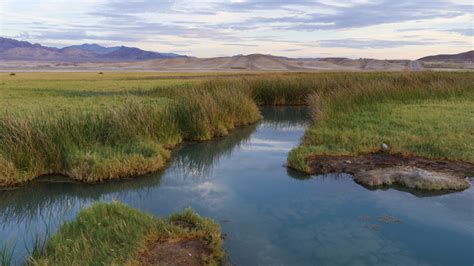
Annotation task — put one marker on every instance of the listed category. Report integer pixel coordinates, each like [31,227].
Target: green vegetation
[133,139]
[94,127]
[428,114]
[6,253]
[114,234]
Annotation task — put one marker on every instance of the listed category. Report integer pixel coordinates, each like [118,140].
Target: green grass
[6,254]
[129,140]
[94,127]
[114,234]
[414,115]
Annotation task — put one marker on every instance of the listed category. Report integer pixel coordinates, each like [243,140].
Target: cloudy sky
[206,28]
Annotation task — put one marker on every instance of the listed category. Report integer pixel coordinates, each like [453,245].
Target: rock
[411,177]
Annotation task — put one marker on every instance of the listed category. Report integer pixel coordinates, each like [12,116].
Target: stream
[270,215]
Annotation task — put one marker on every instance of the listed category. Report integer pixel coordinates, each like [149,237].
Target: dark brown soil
[323,164]
[176,252]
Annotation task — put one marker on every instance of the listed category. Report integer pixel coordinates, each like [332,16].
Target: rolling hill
[462,57]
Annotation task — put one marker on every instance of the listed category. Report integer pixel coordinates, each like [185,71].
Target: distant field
[94,127]
[33,91]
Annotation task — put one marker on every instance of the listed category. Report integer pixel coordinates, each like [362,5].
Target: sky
[384,29]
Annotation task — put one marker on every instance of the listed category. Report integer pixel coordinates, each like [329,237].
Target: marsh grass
[114,234]
[38,248]
[6,253]
[105,128]
[428,114]
[133,139]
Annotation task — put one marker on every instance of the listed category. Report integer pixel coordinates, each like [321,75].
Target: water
[269,214]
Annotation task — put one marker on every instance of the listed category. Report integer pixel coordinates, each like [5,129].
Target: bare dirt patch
[383,169]
[176,252]
[323,164]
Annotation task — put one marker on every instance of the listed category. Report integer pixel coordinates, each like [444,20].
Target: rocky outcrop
[411,177]
[383,169]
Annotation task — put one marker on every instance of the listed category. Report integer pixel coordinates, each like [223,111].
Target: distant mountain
[86,56]
[462,57]
[6,44]
[95,48]
[135,54]
[73,52]
[11,49]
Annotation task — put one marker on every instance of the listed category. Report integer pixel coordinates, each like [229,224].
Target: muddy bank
[383,169]
[194,246]
[177,252]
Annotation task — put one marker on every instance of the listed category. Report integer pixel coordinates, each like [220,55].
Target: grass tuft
[6,254]
[114,234]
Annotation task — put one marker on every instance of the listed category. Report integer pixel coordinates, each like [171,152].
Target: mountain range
[11,49]
[22,55]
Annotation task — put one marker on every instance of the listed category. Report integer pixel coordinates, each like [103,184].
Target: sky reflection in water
[271,215]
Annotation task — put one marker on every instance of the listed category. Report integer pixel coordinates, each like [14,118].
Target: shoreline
[323,164]
[379,169]
[59,177]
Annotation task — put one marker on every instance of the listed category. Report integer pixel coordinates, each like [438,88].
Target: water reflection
[415,192]
[288,117]
[40,198]
[198,163]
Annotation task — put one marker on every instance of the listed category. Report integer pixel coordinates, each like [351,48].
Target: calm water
[270,215]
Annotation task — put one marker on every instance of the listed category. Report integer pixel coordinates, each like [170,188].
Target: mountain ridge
[11,49]
[95,48]
[25,55]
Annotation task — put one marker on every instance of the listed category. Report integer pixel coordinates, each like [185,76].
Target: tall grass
[130,140]
[6,254]
[134,137]
[407,87]
[294,88]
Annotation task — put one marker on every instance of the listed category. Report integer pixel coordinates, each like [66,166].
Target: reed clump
[133,139]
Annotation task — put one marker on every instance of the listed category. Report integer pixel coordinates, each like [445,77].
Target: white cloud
[214,27]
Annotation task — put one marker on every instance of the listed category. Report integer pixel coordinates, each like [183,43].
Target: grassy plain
[114,234]
[94,127]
